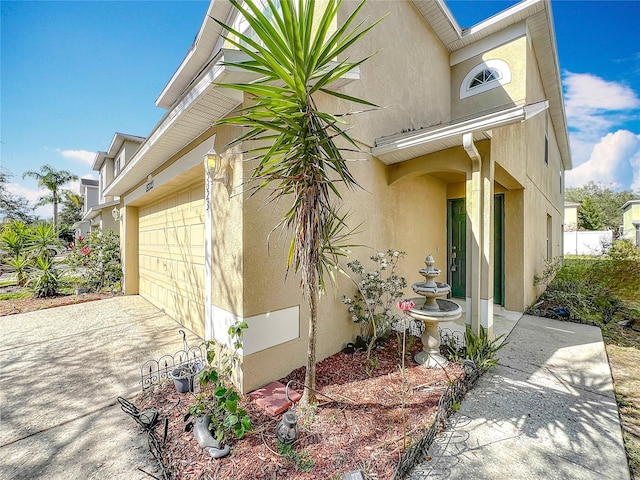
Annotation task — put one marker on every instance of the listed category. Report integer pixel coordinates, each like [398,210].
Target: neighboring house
[104,215]
[631,221]
[571,216]
[466,162]
[89,191]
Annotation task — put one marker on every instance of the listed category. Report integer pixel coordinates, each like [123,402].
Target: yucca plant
[20,265]
[480,349]
[44,279]
[42,237]
[296,56]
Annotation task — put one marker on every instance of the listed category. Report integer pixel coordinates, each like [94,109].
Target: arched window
[485,76]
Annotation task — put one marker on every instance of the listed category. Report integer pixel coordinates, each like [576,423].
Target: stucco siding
[408,75]
[512,93]
[410,216]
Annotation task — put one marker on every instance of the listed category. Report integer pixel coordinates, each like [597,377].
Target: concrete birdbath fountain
[431,312]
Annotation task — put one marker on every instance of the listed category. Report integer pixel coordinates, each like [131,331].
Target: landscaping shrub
[477,347]
[377,293]
[594,290]
[44,278]
[94,261]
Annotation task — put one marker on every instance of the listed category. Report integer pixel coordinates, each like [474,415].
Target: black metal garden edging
[453,395]
[153,372]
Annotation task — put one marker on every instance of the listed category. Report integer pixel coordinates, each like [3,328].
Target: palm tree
[295,58]
[51,179]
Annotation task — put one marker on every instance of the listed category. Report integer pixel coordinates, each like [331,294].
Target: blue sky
[73,73]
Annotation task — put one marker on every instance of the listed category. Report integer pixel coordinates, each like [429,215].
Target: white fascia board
[486,122]
[488,43]
[190,160]
[449,16]
[199,52]
[118,140]
[98,161]
[213,75]
[630,203]
[499,17]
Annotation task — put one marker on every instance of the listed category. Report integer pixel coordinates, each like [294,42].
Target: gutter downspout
[479,205]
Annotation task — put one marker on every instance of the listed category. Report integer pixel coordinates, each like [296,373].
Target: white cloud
[32,195]
[614,160]
[82,155]
[597,111]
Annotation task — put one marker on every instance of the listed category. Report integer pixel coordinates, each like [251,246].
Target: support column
[488,238]
[480,224]
[129,250]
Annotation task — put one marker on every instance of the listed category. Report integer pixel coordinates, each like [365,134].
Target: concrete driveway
[61,370]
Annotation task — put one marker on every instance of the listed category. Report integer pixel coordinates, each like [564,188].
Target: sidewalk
[61,370]
[547,411]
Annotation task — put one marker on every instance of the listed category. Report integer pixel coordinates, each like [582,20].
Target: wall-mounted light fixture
[115,213]
[216,165]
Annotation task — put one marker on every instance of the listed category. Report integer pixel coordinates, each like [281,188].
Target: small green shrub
[302,461]
[222,403]
[477,347]
[377,293]
[481,350]
[44,278]
[20,265]
[94,261]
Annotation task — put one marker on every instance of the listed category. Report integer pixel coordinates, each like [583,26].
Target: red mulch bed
[358,426]
[24,305]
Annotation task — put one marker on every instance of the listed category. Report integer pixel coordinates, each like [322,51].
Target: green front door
[457,255]
[457,241]
[498,249]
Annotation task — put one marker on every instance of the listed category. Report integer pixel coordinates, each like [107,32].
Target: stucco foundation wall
[411,216]
[171,255]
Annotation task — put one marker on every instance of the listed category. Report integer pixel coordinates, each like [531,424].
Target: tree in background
[13,207]
[605,200]
[51,179]
[71,211]
[590,217]
[295,58]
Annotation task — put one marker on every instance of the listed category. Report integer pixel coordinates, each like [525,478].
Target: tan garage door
[171,250]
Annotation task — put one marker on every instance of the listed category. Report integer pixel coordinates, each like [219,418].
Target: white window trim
[494,64]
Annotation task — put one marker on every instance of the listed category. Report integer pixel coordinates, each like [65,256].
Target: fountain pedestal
[433,311]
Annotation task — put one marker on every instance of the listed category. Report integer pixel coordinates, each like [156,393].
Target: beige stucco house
[466,162]
[103,215]
[571,216]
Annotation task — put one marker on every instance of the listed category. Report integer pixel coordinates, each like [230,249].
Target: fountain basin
[448,311]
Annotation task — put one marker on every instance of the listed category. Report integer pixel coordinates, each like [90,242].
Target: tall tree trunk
[55,211]
[309,396]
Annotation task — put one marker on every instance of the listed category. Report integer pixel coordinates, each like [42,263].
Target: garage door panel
[171,255]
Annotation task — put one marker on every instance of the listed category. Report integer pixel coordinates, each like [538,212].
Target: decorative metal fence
[186,362]
[452,396]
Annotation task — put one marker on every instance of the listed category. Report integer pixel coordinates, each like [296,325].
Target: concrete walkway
[547,411]
[61,370]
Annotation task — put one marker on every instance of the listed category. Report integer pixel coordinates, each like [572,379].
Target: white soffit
[208,41]
[399,148]
[189,118]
